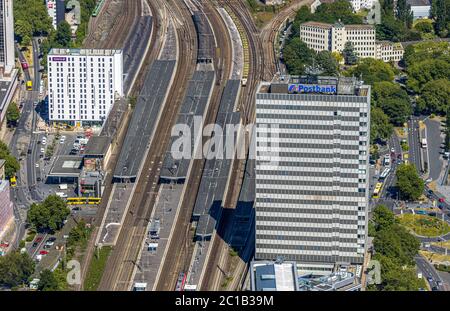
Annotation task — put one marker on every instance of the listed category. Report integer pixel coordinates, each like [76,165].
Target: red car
[38,240]
[441,200]
[24,65]
[43,252]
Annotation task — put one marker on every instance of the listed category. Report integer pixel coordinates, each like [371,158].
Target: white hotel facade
[312,176]
[83,84]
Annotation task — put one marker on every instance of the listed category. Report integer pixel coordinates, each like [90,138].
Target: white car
[37,165]
[42,150]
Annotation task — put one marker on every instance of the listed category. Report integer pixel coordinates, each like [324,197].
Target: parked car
[43,252]
[442,200]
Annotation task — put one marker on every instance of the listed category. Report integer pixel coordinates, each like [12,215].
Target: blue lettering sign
[314,88]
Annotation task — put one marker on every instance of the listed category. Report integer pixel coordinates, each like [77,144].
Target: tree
[410,185]
[50,214]
[64,35]
[393,100]
[403,13]
[12,114]
[326,61]
[11,163]
[340,10]
[426,50]
[349,54]
[435,97]
[23,31]
[424,26]
[15,269]
[35,13]
[440,12]
[419,74]
[383,217]
[47,281]
[380,126]
[297,55]
[373,70]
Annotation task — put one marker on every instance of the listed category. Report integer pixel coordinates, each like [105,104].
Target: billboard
[312,88]
[59,59]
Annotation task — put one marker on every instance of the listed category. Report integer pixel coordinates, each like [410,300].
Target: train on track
[181,282]
[98,8]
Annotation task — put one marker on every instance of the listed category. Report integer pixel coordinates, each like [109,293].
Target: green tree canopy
[47,281]
[373,70]
[15,269]
[435,97]
[411,186]
[380,126]
[419,74]
[383,217]
[393,100]
[297,55]
[426,50]
[31,18]
[327,62]
[11,163]
[350,56]
[12,113]
[333,12]
[424,26]
[50,214]
[63,35]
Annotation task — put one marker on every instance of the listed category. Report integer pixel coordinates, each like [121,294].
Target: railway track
[120,265]
[181,246]
[269,36]
[218,259]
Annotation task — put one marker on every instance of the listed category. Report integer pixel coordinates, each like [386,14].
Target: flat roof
[143,120]
[84,52]
[274,276]
[97,145]
[194,105]
[66,166]
[418,2]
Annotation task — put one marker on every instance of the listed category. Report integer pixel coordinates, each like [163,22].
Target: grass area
[443,268]
[424,225]
[400,131]
[445,244]
[233,253]
[262,14]
[405,146]
[434,258]
[96,268]
[227,281]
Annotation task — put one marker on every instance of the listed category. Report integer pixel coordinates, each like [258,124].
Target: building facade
[333,37]
[358,5]
[6,206]
[83,84]
[7,57]
[420,8]
[389,51]
[312,176]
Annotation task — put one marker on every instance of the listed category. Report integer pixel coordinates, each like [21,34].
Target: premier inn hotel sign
[312,88]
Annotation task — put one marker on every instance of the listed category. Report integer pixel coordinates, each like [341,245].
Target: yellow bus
[13,181]
[83,201]
[377,191]
[29,85]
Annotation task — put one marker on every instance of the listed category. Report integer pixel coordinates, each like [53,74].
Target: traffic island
[424,225]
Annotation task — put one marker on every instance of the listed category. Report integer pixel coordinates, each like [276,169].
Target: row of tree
[11,163]
[48,215]
[394,249]
[409,183]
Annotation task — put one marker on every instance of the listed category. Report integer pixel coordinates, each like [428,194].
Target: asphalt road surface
[429,273]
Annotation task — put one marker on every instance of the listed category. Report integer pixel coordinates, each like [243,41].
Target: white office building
[312,174]
[333,37]
[358,5]
[51,11]
[83,84]
[7,57]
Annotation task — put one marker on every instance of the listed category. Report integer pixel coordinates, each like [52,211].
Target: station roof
[97,146]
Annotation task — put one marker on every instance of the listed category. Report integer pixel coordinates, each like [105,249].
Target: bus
[13,181]
[377,191]
[385,173]
[83,201]
[29,85]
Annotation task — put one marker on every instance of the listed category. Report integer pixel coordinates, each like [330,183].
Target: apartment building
[333,37]
[56,10]
[358,5]
[389,51]
[83,84]
[7,57]
[312,176]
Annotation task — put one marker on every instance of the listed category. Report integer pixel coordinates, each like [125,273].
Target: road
[429,273]
[434,141]
[414,143]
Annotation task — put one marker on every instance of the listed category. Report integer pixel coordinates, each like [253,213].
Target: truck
[61,194]
[424,142]
[29,85]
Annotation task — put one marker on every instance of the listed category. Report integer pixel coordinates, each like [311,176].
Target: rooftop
[313,84]
[67,166]
[317,24]
[84,52]
[97,146]
[274,276]
[418,2]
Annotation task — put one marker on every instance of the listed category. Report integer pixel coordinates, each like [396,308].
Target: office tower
[312,170]
[6,37]
[83,84]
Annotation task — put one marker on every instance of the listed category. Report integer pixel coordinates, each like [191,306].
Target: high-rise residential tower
[312,179]
[6,37]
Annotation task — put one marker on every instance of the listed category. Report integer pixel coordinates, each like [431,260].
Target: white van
[61,194]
